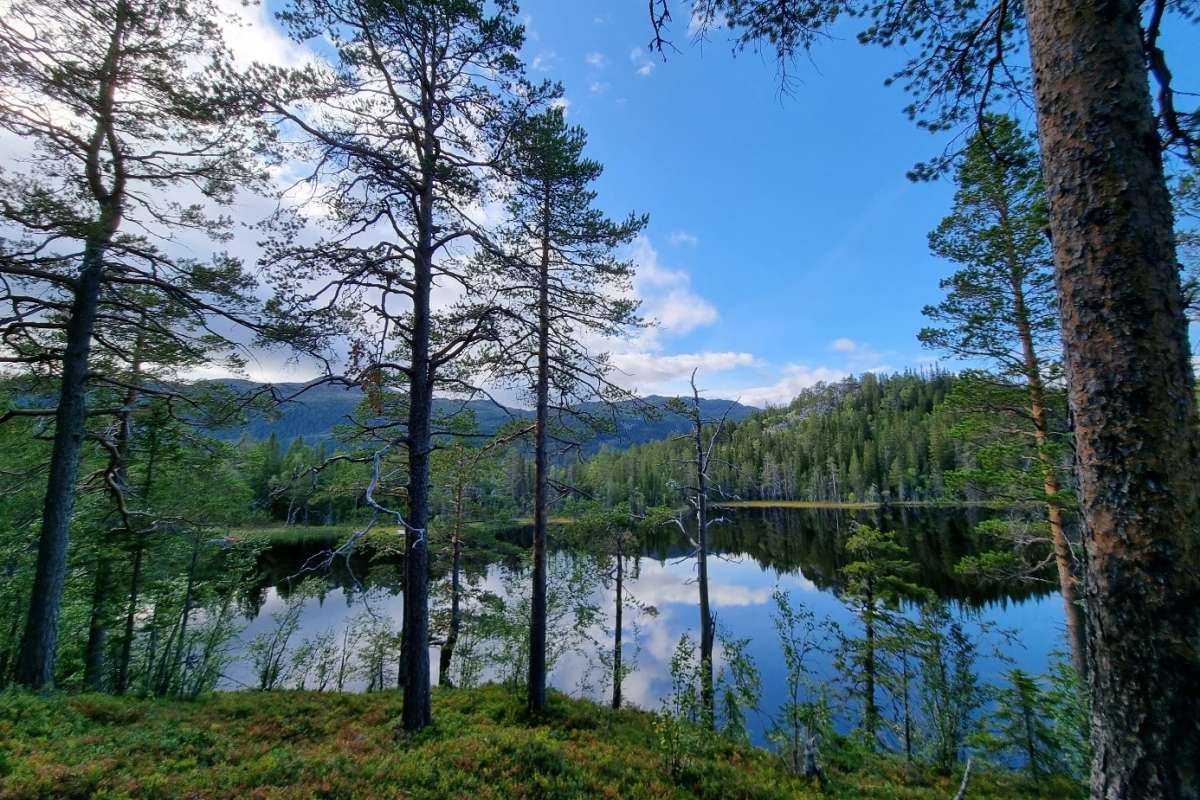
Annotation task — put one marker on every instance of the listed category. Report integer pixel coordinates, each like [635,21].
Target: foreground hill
[308,745]
[315,413]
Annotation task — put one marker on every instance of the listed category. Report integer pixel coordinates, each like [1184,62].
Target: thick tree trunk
[537,621]
[1131,391]
[418,710]
[35,664]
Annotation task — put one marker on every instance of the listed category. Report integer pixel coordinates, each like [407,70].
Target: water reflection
[798,550]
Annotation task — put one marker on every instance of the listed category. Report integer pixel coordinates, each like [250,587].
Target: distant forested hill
[867,438]
[313,416]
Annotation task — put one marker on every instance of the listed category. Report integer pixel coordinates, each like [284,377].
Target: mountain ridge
[313,415]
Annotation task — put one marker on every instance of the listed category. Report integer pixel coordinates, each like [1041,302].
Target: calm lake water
[797,550]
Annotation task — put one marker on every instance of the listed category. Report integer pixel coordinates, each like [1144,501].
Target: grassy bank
[309,745]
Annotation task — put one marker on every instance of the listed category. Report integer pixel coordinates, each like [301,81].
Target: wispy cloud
[544,62]
[596,60]
[681,237]
[642,63]
[666,293]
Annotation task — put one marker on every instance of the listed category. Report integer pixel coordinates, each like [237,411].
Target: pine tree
[424,97]
[1001,308]
[563,286]
[156,130]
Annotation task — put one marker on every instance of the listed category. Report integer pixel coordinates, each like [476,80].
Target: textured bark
[537,621]
[1131,393]
[418,710]
[35,663]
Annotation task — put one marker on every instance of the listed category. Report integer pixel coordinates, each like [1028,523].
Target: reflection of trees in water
[365,570]
[787,540]
[812,542]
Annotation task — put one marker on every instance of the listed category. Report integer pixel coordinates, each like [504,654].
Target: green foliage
[874,583]
[868,439]
[950,694]
[805,718]
[738,686]
[287,743]
[1067,712]
[1020,728]
[502,622]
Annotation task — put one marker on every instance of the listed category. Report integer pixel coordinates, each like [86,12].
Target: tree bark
[418,702]
[537,622]
[1130,387]
[35,663]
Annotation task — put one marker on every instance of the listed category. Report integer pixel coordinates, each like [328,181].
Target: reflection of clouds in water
[741,597]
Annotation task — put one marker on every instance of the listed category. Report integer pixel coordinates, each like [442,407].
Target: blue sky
[790,213]
[785,244]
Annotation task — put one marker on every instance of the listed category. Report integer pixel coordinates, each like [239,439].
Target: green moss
[310,745]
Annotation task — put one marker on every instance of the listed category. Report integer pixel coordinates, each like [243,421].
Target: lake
[757,551]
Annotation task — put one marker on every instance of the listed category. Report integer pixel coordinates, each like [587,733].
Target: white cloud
[857,358]
[678,238]
[653,372]
[666,293]
[563,103]
[794,378]
[843,345]
[544,62]
[641,61]
[253,36]
[597,60]
[530,32]
[599,87]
